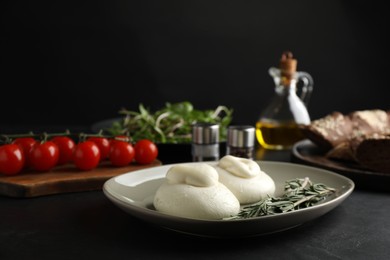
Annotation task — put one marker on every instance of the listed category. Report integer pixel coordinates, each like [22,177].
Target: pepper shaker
[241,141]
[205,142]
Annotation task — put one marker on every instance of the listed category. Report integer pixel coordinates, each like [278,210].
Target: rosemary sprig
[299,193]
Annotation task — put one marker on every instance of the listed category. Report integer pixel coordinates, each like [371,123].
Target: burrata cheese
[244,178]
[194,191]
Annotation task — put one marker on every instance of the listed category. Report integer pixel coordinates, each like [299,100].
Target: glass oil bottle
[278,125]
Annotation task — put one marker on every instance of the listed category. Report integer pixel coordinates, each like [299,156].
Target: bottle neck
[288,81]
[287,86]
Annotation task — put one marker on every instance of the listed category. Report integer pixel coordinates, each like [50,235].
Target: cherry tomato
[145,151]
[121,153]
[86,155]
[44,156]
[26,143]
[103,144]
[66,146]
[11,159]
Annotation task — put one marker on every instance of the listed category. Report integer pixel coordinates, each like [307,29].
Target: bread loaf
[329,131]
[336,128]
[361,136]
[343,152]
[367,122]
[373,152]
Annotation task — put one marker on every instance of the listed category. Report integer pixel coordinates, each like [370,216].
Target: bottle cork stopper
[288,65]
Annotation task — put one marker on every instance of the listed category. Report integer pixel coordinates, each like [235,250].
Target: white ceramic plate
[134,192]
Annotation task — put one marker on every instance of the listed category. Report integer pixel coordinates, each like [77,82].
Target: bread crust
[329,131]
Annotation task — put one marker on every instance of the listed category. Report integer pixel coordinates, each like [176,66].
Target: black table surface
[87,225]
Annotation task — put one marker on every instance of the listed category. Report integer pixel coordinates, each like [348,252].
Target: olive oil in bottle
[278,136]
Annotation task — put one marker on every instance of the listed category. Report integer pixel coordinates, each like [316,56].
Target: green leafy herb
[171,124]
[299,193]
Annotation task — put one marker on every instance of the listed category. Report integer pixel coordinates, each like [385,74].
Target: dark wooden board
[63,179]
[305,152]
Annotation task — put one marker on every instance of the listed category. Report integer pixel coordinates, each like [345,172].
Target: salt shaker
[205,142]
[241,141]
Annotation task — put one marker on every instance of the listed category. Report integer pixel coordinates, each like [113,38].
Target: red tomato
[145,151]
[44,156]
[66,146]
[86,155]
[26,143]
[11,159]
[121,153]
[103,144]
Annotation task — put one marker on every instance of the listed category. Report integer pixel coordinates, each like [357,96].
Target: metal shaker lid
[205,133]
[241,136]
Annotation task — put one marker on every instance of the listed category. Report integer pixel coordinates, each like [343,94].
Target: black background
[79,62]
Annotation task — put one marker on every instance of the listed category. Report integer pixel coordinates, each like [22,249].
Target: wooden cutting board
[63,179]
